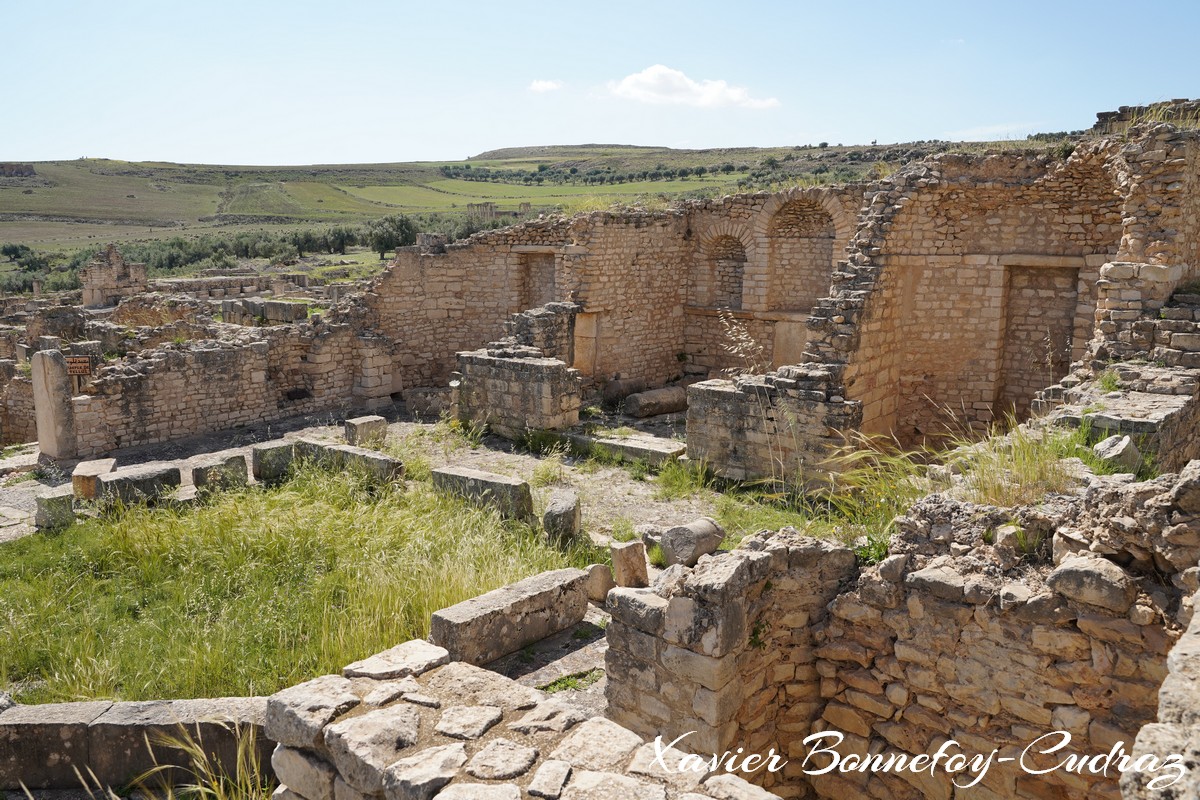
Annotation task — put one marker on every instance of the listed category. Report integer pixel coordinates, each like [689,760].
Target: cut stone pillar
[52,405]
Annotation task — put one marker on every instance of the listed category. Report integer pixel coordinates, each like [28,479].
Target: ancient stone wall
[17,424]
[967,631]
[184,390]
[107,278]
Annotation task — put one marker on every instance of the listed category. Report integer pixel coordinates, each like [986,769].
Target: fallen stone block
[141,484]
[84,477]
[55,508]
[363,430]
[504,620]
[511,497]
[1095,581]
[382,468]
[270,462]
[684,544]
[42,746]
[362,747]
[1120,451]
[667,400]
[629,564]
[220,472]
[563,518]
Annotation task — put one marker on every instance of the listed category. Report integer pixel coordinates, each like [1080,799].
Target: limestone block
[42,746]
[413,657]
[480,791]
[1185,494]
[668,400]
[590,785]
[684,544]
[308,776]
[117,738]
[220,472]
[419,776]
[630,568]
[1095,581]
[504,620]
[562,520]
[549,715]
[501,760]
[1119,451]
[297,716]
[599,582]
[550,779]
[380,467]
[84,477]
[366,430]
[464,684]
[510,497]
[598,743]
[468,722]
[363,747]
[55,508]
[139,484]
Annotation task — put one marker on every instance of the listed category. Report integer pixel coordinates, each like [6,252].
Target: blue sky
[305,82]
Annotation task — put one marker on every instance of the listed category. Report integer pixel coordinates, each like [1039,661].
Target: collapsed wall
[989,627]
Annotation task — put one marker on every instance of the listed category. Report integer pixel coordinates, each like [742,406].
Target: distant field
[71,204]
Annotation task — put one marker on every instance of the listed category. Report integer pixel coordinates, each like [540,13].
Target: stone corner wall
[726,649]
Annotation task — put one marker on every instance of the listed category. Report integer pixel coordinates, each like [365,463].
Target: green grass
[1107,381]
[678,479]
[573,683]
[256,591]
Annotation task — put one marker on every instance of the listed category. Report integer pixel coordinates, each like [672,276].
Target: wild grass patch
[255,591]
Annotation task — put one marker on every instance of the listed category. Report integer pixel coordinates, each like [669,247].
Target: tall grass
[251,593]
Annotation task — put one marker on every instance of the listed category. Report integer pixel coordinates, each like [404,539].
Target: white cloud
[662,85]
[545,86]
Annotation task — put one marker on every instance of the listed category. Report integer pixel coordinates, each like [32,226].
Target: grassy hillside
[70,204]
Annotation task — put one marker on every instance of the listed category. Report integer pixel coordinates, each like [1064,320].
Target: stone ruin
[957,290]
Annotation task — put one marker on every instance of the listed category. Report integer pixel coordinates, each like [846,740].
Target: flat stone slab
[459,683]
[418,777]
[597,744]
[381,467]
[507,619]
[511,497]
[468,722]
[413,657]
[501,760]
[637,446]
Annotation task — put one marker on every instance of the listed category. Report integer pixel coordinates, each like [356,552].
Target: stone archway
[800,254]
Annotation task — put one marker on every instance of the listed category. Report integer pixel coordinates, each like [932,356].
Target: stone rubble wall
[958,634]
[406,724]
[17,426]
[1177,729]
[108,278]
[183,390]
[781,425]
[726,649]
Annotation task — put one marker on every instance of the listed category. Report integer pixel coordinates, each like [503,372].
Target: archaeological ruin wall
[971,283]
[991,627]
